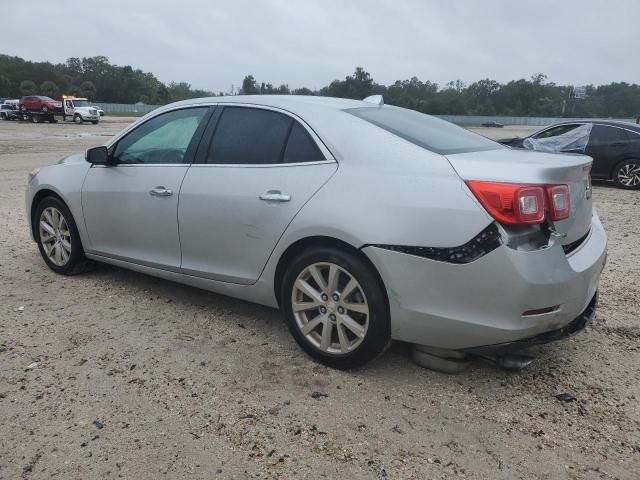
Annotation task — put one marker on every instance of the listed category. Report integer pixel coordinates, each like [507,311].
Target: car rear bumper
[481,303]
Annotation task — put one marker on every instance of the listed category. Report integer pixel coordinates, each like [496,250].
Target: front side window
[163,139]
[252,136]
[425,131]
[555,131]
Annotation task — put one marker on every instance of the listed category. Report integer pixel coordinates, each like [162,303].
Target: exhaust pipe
[514,361]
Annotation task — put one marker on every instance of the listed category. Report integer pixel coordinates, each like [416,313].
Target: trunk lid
[521,166]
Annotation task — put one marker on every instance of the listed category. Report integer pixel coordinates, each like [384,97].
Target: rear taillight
[518,204]
[559,203]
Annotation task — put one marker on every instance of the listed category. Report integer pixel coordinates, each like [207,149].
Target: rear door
[259,167]
[131,207]
[607,146]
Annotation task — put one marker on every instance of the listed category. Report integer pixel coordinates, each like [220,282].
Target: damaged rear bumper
[576,326]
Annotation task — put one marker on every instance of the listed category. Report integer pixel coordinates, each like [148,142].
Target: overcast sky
[214,44]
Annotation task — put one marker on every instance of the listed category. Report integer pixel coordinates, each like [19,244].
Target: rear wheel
[45,109]
[95,122]
[335,307]
[627,174]
[57,237]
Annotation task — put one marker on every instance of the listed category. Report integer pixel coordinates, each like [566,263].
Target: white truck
[79,109]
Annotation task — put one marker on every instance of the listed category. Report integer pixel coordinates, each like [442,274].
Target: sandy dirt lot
[114,374]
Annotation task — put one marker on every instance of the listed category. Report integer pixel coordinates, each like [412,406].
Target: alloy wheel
[55,236]
[330,308]
[629,174]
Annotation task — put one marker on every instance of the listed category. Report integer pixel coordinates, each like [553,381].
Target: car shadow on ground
[268,323]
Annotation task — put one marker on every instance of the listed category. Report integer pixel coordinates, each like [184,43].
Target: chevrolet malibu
[364,223]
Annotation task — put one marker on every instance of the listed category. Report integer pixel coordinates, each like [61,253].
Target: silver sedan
[362,222]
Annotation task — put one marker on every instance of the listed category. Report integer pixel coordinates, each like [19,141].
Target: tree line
[97,79]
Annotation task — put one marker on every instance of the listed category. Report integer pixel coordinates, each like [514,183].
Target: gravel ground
[114,374]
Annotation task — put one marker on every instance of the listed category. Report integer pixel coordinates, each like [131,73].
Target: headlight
[32,174]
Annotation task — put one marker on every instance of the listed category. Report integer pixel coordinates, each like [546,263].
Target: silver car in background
[362,222]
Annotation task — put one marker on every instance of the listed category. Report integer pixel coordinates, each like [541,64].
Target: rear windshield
[425,131]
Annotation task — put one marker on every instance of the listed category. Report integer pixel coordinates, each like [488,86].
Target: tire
[95,122]
[352,341]
[77,119]
[4,116]
[626,174]
[71,260]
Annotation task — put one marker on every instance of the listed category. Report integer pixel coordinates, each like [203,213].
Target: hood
[72,159]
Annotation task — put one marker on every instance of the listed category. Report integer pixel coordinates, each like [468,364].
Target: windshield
[81,103]
[425,131]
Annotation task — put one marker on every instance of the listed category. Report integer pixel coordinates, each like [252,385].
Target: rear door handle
[160,192]
[275,196]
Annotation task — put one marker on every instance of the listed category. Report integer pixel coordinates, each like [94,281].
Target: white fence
[126,107]
[529,121]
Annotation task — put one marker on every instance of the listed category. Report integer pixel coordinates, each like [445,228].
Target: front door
[251,179]
[130,206]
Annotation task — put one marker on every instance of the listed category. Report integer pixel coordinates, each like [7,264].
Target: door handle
[275,196]
[160,192]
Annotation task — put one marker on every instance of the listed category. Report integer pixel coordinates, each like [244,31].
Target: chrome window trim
[329,157]
[263,165]
[129,165]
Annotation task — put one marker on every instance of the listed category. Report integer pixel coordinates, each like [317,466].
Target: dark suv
[614,147]
[38,103]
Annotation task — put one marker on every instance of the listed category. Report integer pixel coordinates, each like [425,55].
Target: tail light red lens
[518,204]
[559,201]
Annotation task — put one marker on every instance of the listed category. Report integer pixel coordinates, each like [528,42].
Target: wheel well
[612,175]
[305,243]
[36,200]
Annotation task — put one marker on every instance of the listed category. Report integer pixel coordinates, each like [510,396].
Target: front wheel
[57,237]
[77,119]
[335,307]
[627,174]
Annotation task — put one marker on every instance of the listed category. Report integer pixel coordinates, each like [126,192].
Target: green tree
[249,86]
[88,90]
[49,88]
[28,87]
[5,85]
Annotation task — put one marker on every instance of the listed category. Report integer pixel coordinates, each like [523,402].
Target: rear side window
[301,147]
[603,135]
[425,131]
[252,136]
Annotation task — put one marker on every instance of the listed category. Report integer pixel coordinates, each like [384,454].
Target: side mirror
[97,155]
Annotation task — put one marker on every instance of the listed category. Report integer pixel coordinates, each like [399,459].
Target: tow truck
[77,109]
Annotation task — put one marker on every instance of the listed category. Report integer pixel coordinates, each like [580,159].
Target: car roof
[611,123]
[298,104]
